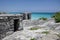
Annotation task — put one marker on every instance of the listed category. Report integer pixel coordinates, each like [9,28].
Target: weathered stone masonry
[11,22]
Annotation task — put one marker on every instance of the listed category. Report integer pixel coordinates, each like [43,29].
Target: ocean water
[37,15]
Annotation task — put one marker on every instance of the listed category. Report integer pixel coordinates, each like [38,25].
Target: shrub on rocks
[56,16]
[43,18]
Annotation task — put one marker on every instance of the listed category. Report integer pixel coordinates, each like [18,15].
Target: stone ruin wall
[7,25]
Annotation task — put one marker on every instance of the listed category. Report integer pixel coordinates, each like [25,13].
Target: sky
[29,5]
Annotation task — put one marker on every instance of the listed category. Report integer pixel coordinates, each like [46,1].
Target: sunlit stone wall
[7,25]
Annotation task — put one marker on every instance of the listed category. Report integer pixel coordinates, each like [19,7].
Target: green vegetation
[45,32]
[34,28]
[32,39]
[56,16]
[43,18]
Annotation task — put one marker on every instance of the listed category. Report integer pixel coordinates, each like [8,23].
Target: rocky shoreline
[37,30]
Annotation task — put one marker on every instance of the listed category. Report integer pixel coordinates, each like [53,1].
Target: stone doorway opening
[16,24]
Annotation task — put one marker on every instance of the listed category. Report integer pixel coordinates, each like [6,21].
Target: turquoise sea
[37,15]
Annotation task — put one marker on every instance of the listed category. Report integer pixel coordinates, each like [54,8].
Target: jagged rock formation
[46,30]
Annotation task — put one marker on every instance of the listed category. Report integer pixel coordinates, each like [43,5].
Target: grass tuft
[45,32]
[32,39]
[34,28]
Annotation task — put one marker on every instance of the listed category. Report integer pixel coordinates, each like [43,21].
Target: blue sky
[29,5]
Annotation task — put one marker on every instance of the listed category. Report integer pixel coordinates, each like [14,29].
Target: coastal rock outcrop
[48,30]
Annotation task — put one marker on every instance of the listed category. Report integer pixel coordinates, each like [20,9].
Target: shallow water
[38,15]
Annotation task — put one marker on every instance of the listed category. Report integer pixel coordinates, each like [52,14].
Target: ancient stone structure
[11,22]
